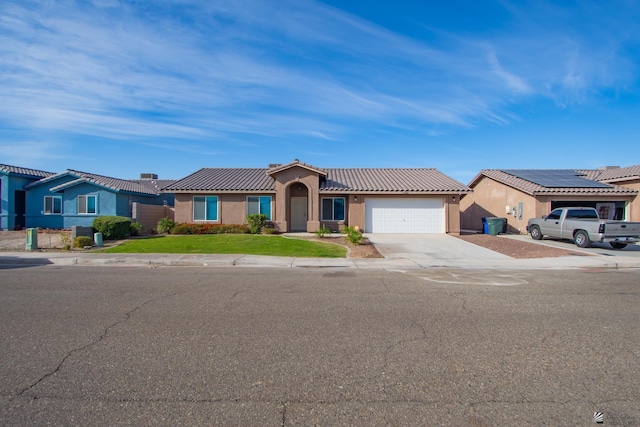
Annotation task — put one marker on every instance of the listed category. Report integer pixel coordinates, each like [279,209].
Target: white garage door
[404,215]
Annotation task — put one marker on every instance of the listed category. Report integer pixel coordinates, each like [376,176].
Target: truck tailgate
[622,228]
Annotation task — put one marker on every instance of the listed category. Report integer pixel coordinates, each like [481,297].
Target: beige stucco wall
[232,208]
[355,213]
[289,183]
[490,199]
[452,212]
[149,215]
[182,210]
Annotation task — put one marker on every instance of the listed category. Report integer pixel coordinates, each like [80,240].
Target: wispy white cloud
[200,71]
[37,154]
[511,81]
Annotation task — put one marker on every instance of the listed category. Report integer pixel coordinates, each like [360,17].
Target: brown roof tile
[390,180]
[225,179]
[347,180]
[115,184]
[619,174]
[275,169]
[8,169]
[155,184]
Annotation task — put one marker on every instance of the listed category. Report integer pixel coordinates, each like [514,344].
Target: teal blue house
[76,198]
[13,179]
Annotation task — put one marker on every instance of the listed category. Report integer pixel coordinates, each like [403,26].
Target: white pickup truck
[583,226]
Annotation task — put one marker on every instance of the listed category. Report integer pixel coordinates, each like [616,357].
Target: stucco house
[628,177]
[521,194]
[300,197]
[72,197]
[13,179]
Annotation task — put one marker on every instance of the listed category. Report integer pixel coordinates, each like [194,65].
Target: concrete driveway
[432,250]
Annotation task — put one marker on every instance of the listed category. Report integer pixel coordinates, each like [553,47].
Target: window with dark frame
[205,208]
[333,209]
[259,205]
[87,204]
[52,205]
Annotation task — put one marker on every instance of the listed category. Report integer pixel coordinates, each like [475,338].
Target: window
[333,209]
[259,205]
[52,205]
[555,214]
[87,204]
[582,214]
[205,208]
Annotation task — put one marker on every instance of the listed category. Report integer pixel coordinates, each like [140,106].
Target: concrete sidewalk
[450,253]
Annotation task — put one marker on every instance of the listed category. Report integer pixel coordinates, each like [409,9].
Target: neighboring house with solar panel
[300,197]
[13,179]
[628,177]
[74,198]
[520,194]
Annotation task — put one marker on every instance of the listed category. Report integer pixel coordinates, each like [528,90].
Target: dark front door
[19,208]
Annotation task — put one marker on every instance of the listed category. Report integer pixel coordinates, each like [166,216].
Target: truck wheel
[535,233]
[616,245]
[581,239]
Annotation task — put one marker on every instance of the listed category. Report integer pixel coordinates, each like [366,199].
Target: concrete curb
[398,263]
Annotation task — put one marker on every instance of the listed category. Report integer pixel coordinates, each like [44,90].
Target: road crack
[102,336]
[284,414]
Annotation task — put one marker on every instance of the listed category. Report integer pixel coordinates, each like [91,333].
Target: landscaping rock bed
[515,248]
[12,241]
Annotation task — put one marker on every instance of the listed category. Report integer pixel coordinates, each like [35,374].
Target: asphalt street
[317,346]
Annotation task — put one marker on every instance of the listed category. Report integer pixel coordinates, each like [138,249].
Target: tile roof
[591,174]
[16,170]
[390,180]
[154,184]
[275,169]
[346,180]
[535,189]
[115,184]
[616,174]
[225,179]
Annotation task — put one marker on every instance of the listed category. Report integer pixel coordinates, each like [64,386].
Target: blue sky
[123,87]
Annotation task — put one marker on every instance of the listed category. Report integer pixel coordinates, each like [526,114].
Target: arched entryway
[298,207]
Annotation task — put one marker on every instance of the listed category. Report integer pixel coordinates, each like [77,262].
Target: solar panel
[556,178]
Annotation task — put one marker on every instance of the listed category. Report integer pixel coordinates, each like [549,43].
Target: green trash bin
[495,225]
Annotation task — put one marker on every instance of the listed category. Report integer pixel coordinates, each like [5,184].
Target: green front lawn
[250,244]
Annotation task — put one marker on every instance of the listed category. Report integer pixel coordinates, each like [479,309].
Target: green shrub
[65,240]
[269,228]
[135,229]
[353,235]
[82,241]
[323,231]
[165,225]
[183,228]
[256,222]
[112,227]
